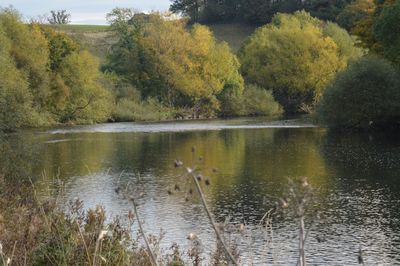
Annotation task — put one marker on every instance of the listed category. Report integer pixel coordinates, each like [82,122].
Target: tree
[365,95]
[387,31]
[195,66]
[179,66]
[326,10]
[296,56]
[15,97]
[265,10]
[130,57]
[355,12]
[59,17]
[29,52]
[86,100]
[189,8]
[256,12]
[46,78]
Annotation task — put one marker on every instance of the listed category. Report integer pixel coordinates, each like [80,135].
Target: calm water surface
[356,176]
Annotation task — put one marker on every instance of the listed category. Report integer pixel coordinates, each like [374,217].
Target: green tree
[387,31]
[180,66]
[189,8]
[256,12]
[46,78]
[86,100]
[365,95]
[296,56]
[130,57]
[355,12]
[326,10]
[15,97]
[30,53]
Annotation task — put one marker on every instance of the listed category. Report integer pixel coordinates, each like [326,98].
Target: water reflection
[356,176]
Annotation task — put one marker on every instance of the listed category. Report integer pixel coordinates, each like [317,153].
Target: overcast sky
[83,11]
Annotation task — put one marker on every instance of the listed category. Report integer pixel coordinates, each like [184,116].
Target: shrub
[258,101]
[254,101]
[149,110]
[365,95]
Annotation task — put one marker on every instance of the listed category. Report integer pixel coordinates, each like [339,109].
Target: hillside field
[98,38]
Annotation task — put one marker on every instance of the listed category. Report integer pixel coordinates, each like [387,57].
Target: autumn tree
[354,13]
[180,66]
[15,97]
[46,78]
[28,50]
[296,56]
[86,100]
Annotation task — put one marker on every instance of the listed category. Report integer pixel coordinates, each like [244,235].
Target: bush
[254,101]
[258,101]
[150,110]
[365,95]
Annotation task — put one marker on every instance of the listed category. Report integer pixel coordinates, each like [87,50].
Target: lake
[356,180]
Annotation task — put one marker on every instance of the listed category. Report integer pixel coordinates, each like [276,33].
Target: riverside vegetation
[160,68]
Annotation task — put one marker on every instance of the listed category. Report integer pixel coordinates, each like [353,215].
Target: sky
[83,11]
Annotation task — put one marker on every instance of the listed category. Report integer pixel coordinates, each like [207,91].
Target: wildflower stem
[83,241]
[219,237]
[152,255]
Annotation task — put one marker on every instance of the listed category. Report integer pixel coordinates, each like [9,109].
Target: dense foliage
[366,95]
[296,56]
[46,78]
[387,31]
[256,12]
[376,24]
[180,67]
[354,13]
[254,101]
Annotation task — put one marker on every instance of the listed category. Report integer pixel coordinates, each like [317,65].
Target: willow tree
[190,65]
[296,56]
[195,65]
[15,97]
[45,77]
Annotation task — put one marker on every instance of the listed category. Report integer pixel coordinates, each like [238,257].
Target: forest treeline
[257,12]
[161,67]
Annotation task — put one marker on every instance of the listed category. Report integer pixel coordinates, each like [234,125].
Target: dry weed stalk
[149,250]
[191,172]
[299,198]
[132,199]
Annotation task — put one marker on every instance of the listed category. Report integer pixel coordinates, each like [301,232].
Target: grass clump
[149,110]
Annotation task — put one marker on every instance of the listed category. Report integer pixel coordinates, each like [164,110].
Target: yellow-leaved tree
[194,65]
[166,59]
[296,56]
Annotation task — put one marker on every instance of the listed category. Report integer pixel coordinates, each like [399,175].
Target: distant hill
[98,38]
[234,34]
